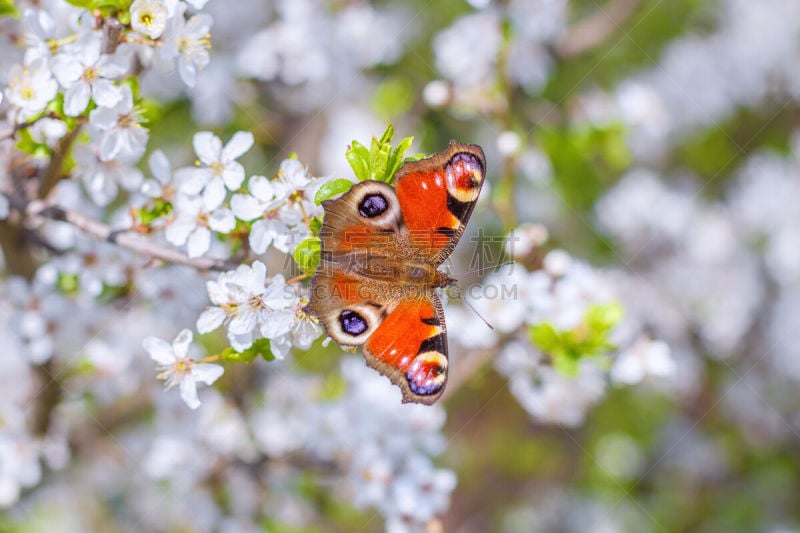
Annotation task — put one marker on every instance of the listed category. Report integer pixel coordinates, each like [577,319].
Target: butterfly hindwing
[410,348]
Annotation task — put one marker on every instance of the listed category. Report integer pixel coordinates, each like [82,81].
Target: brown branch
[594,30]
[55,168]
[12,131]
[130,240]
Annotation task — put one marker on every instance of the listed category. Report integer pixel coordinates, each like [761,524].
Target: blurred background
[643,156]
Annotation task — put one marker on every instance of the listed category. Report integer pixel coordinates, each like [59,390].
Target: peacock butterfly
[381,249]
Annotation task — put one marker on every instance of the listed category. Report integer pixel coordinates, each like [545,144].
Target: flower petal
[179,230]
[189,392]
[260,236]
[278,323]
[193,179]
[103,118]
[88,50]
[240,143]
[76,98]
[105,93]
[111,144]
[222,221]
[207,373]
[181,343]
[207,146]
[261,188]
[198,243]
[66,69]
[240,342]
[246,207]
[160,167]
[244,323]
[214,194]
[210,319]
[187,71]
[233,175]
[160,350]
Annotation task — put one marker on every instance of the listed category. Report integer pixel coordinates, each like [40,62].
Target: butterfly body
[380,253]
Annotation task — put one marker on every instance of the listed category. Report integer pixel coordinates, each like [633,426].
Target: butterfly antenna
[488,325]
[486,268]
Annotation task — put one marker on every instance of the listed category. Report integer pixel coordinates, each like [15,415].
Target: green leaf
[380,162]
[602,317]
[159,208]
[68,283]
[260,348]
[589,338]
[358,157]
[388,135]
[83,4]
[8,9]
[307,254]
[566,365]
[544,336]
[152,110]
[331,189]
[379,152]
[30,146]
[396,160]
[315,225]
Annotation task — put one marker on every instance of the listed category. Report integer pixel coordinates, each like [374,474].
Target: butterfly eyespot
[427,373]
[352,323]
[373,205]
[465,176]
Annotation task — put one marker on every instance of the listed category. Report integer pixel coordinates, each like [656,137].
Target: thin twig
[55,169]
[593,31]
[130,240]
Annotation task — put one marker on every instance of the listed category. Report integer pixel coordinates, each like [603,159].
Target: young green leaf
[379,158]
[8,9]
[307,254]
[331,189]
[158,209]
[260,348]
[380,162]
[83,4]
[590,338]
[388,135]
[315,225]
[358,157]
[396,158]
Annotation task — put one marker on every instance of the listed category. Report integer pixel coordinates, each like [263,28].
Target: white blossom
[176,367]
[161,170]
[243,299]
[263,203]
[102,178]
[39,27]
[149,17]
[218,168]
[31,87]
[85,73]
[189,42]
[119,129]
[645,358]
[193,224]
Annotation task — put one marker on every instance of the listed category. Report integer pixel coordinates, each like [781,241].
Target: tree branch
[130,240]
[54,171]
[593,31]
